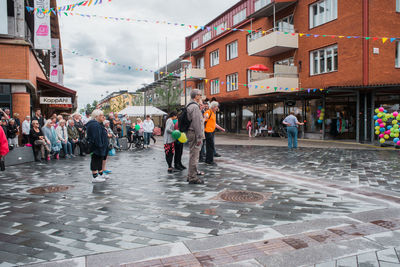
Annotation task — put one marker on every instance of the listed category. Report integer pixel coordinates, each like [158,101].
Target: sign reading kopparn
[55,100]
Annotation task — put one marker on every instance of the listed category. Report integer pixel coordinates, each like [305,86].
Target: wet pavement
[142,205]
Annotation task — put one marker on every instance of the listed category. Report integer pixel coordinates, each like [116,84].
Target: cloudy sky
[127,43]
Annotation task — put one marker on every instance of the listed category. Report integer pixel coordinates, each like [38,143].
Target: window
[260,4]
[214,58]
[285,24]
[398,54]
[214,86]
[249,74]
[286,62]
[207,37]
[397,5]
[200,63]
[201,87]
[220,27]
[232,50]
[324,60]
[322,12]
[232,82]
[195,43]
[240,16]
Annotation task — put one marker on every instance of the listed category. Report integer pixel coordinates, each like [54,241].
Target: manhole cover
[49,189]
[243,196]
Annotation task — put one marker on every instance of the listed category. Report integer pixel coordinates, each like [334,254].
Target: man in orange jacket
[211,123]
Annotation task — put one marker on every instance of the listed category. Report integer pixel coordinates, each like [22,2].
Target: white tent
[138,111]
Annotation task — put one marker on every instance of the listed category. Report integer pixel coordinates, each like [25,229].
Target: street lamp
[144,100]
[185,63]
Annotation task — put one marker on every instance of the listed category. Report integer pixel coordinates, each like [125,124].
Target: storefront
[5,96]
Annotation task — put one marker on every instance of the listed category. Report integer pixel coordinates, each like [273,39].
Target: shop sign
[54,60]
[55,100]
[66,106]
[42,31]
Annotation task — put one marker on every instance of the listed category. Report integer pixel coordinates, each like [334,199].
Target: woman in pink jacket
[3,148]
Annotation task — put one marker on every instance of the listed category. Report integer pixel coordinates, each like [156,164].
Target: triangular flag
[301,34]
[90,2]
[384,39]
[367,38]
[375,38]
[206,80]
[392,39]
[340,36]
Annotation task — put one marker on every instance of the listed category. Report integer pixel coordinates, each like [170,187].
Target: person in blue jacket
[98,144]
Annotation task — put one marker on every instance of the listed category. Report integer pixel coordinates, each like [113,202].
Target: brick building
[28,73]
[356,75]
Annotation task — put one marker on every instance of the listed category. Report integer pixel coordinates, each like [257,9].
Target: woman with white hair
[98,144]
[50,133]
[26,128]
[39,141]
[62,134]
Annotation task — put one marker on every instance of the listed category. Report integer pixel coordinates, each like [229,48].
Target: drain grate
[49,189]
[243,196]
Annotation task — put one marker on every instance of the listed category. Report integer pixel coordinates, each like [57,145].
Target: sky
[127,43]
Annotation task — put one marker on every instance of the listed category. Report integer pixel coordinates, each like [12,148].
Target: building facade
[316,58]
[31,76]
[117,101]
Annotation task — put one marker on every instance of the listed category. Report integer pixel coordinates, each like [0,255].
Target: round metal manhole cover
[243,196]
[49,189]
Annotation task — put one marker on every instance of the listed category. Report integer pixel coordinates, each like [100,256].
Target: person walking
[292,123]
[148,127]
[3,149]
[211,124]
[98,144]
[249,126]
[195,135]
[169,144]
[26,128]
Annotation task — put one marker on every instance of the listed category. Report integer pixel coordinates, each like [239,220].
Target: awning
[138,111]
[54,90]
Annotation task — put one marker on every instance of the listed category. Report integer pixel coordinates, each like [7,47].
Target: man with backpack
[191,121]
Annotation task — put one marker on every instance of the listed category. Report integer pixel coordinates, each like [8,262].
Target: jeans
[147,137]
[67,147]
[209,147]
[292,136]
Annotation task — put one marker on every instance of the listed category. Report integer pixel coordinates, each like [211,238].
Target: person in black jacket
[38,117]
[12,133]
[98,144]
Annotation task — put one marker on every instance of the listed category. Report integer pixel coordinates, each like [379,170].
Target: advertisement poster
[54,60]
[42,25]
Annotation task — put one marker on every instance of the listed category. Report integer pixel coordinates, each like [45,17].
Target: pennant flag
[90,2]
[392,39]
[301,34]
[384,39]
[367,38]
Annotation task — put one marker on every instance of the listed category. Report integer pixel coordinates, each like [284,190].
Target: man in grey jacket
[195,135]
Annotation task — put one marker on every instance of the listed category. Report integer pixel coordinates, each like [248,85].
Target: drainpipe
[365,42]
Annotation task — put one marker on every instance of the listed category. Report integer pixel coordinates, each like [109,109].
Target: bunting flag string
[207,81]
[61,11]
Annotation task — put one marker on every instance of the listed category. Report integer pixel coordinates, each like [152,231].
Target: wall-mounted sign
[42,25]
[54,59]
[55,100]
[66,106]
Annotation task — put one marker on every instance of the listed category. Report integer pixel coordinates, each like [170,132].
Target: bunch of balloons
[137,127]
[320,114]
[181,137]
[387,125]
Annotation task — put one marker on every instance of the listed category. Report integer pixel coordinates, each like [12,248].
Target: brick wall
[14,62]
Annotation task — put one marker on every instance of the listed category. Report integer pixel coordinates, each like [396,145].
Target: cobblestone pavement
[142,205]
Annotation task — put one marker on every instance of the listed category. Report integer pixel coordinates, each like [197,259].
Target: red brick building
[25,71]
[355,74]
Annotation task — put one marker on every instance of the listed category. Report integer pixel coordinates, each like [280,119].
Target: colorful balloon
[377,132]
[137,127]
[380,115]
[183,139]
[386,136]
[394,122]
[382,140]
[396,140]
[377,110]
[381,109]
[381,135]
[176,134]
[382,130]
[398,143]
[395,114]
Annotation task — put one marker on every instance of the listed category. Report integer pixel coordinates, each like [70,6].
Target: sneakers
[98,180]
[211,164]
[196,181]
[107,172]
[217,155]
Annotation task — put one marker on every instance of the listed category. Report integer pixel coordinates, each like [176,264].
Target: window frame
[263,3]
[214,90]
[241,16]
[211,60]
[218,31]
[397,55]
[316,60]
[290,18]
[229,81]
[201,61]
[398,6]
[205,40]
[317,20]
[197,43]
[229,51]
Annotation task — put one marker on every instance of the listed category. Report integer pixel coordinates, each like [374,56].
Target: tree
[90,108]
[168,96]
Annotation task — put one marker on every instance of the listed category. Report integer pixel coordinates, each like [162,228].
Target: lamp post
[144,99]
[185,63]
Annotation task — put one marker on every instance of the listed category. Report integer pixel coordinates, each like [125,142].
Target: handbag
[111,152]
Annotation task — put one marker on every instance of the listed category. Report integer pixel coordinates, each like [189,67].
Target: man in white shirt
[86,119]
[26,128]
[148,127]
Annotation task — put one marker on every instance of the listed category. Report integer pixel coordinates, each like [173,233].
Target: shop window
[232,50]
[324,60]
[207,37]
[323,12]
[285,24]
[239,17]
[214,58]
[5,96]
[214,86]
[398,54]
[232,82]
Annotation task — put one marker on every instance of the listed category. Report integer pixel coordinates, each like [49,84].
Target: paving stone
[389,238]
[388,255]
[347,262]
[379,214]
[326,264]
[76,262]
[249,263]
[388,264]
[368,260]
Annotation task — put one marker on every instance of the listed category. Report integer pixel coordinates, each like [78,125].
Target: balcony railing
[193,72]
[265,83]
[272,43]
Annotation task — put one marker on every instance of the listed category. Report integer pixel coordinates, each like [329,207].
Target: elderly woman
[73,137]
[50,133]
[112,138]
[169,142]
[62,134]
[39,141]
[98,144]
[12,133]
[26,128]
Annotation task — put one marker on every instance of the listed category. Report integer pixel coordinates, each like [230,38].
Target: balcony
[265,83]
[272,44]
[193,73]
[271,7]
